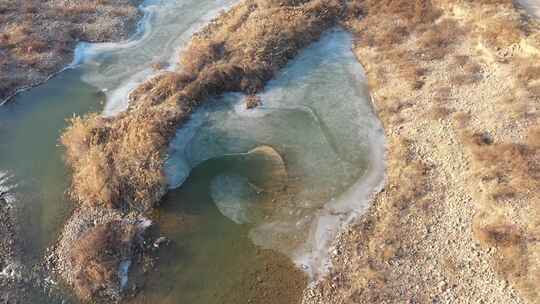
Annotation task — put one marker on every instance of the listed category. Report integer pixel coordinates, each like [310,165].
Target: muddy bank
[457,222]
[37,38]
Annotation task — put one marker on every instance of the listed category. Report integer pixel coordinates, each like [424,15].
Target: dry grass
[119,162]
[96,257]
[439,112]
[436,40]
[401,37]
[253,101]
[37,37]
[404,33]
[509,175]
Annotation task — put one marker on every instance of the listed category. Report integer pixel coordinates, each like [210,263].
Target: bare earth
[37,38]
[458,219]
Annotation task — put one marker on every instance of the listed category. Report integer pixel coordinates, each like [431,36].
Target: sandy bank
[454,83]
[37,38]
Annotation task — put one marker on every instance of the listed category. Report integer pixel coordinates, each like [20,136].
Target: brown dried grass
[96,257]
[38,37]
[509,175]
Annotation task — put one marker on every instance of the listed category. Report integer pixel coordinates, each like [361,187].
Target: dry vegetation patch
[37,37]
[96,258]
[118,162]
[507,218]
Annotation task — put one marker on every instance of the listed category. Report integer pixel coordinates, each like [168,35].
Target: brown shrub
[32,45]
[501,32]
[96,257]
[461,60]
[253,101]
[437,40]
[413,74]
[393,36]
[16,33]
[75,9]
[499,235]
[510,166]
[464,79]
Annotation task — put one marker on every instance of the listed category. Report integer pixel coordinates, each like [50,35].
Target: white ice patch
[123,273]
[317,114]
[12,271]
[6,188]
[232,195]
[337,214]
[177,166]
[144,223]
[86,52]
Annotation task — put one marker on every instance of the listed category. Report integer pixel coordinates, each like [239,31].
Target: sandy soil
[37,38]
[428,243]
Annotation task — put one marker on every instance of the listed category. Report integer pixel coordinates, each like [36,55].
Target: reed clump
[96,258]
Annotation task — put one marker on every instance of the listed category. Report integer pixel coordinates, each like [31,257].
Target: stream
[256,196]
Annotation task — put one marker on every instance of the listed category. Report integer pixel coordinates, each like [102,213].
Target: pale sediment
[12,285]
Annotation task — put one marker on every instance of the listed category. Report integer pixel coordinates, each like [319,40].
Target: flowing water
[253,192]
